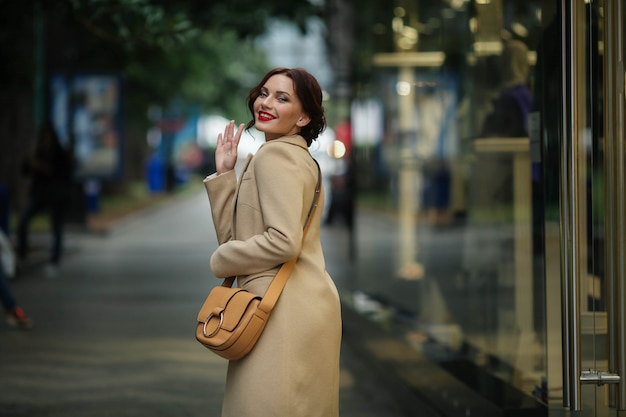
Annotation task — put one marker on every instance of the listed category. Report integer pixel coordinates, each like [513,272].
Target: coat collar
[292,139]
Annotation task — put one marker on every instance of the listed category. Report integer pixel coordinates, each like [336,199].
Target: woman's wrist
[221,171]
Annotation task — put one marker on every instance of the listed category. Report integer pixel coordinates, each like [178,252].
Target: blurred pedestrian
[15,316]
[50,169]
[294,368]
[510,109]
[491,185]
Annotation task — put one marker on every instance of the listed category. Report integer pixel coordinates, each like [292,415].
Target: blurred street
[114,331]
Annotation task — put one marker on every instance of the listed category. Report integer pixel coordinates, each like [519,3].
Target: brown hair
[309,93]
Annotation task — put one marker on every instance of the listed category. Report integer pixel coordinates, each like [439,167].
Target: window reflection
[447,218]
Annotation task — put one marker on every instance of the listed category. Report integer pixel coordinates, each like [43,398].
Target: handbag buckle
[214,332]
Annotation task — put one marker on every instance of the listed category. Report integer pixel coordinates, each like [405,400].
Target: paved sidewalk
[113,332]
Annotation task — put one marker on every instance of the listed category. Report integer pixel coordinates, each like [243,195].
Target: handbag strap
[278,283]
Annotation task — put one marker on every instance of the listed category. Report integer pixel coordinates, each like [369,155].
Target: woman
[294,368]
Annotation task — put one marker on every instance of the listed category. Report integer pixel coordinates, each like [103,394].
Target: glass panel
[447,215]
[547,245]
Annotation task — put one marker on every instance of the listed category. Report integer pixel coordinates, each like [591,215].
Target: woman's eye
[262,94]
[283,99]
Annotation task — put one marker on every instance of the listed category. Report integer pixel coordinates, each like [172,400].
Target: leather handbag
[231,320]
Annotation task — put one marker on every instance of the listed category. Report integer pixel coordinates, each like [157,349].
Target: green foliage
[198,52]
[166,23]
[211,73]
[134,23]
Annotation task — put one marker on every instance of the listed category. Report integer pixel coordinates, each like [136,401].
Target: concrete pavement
[114,330]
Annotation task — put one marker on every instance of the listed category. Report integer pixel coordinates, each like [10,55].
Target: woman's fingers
[238,134]
[228,131]
[229,135]
[227,143]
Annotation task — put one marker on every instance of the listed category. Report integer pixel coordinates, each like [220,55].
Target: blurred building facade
[488,149]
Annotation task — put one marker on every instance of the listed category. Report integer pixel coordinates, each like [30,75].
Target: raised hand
[226,151]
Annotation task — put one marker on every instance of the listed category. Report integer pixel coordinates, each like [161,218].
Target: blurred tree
[212,72]
[196,52]
[134,22]
[204,45]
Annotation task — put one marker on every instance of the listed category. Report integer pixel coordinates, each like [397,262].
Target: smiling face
[277,109]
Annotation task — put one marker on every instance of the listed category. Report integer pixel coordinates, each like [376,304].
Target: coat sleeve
[221,189]
[280,180]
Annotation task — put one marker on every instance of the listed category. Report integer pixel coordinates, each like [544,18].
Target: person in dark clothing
[510,109]
[50,168]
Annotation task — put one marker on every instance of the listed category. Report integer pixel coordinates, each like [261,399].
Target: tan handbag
[231,320]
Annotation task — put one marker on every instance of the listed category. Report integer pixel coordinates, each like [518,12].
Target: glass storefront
[489,157]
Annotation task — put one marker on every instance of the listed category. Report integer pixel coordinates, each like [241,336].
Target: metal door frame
[573,197]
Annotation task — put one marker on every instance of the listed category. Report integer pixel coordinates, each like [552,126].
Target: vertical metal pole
[409,184]
[564,187]
[609,188]
[620,250]
[615,187]
[572,194]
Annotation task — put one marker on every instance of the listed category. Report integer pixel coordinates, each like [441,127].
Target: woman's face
[277,110]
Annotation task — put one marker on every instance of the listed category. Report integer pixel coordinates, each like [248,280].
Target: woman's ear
[303,120]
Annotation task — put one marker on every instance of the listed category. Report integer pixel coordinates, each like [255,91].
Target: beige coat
[293,371]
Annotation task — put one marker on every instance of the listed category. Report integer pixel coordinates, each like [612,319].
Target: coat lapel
[294,140]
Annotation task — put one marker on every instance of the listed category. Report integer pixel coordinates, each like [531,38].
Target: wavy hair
[309,93]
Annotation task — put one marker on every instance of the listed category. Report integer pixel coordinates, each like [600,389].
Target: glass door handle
[599,377]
